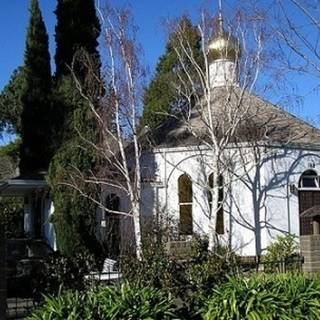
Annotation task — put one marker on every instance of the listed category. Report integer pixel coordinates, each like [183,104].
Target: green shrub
[68,306]
[282,296]
[59,272]
[134,302]
[209,269]
[284,247]
[108,303]
[190,280]
[281,255]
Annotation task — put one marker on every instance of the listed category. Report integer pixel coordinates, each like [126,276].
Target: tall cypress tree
[77,28]
[77,34]
[35,118]
[161,98]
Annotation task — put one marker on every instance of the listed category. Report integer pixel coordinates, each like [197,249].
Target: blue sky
[148,15]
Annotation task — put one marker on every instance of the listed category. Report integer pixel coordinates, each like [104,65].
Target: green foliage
[282,296]
[35,149]
[11,216]
[59,272]
[161,98]
[284,247]
[77,31]
[74,216]
[11,103]
[67,306]
[9,160]
[11,208]
[135,302]
[189,280]
[155,268]
[77,28]
[11,150]
[209,269]
[108,303]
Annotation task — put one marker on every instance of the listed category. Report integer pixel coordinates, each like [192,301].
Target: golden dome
[223,46]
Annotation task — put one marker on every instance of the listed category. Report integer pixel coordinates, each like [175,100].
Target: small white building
[38,206]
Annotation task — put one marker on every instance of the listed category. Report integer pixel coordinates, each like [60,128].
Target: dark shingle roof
[259,120]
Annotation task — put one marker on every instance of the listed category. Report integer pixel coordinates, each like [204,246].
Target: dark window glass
[309,179]
[185,204]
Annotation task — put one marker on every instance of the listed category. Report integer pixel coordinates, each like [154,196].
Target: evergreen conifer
[36,108]
[161,98]
[77,34]
[11,103]
[77,28]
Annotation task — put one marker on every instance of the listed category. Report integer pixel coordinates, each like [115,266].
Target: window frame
[309,175]
[185,229]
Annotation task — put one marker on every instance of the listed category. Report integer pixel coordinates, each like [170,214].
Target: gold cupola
[223,45]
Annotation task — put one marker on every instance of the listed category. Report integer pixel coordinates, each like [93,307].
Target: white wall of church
[261,205]
[283,205]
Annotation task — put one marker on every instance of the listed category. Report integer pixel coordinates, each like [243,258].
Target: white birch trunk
[137,228]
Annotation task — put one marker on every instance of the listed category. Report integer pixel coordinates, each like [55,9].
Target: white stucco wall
[260,205]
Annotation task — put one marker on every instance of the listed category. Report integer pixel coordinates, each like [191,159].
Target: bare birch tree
[297,24]
[221,108]
[116,113]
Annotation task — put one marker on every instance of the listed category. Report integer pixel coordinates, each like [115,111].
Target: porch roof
[311,212]
[19,187]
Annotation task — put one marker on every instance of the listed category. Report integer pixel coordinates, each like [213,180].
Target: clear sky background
[148,15]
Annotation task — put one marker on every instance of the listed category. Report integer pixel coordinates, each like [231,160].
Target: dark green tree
[161,98]
[77,32]
[77,28]
[11,208]
[36,107]
[11,104]
[77,57]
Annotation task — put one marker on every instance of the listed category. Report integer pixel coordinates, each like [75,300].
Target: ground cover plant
[274,296]
[125,301]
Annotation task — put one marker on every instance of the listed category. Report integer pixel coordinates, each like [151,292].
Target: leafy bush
[282,296]
[156,269]
[206,271]
[189,281]
[135,302]
[284,247]
[59,272]
[281,255]
[67,306]
[209,269]
[108,303]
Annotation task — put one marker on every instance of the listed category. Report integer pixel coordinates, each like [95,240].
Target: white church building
[272,176]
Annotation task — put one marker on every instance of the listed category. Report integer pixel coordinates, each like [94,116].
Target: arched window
[309,180]
[220,214]
[185,204]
